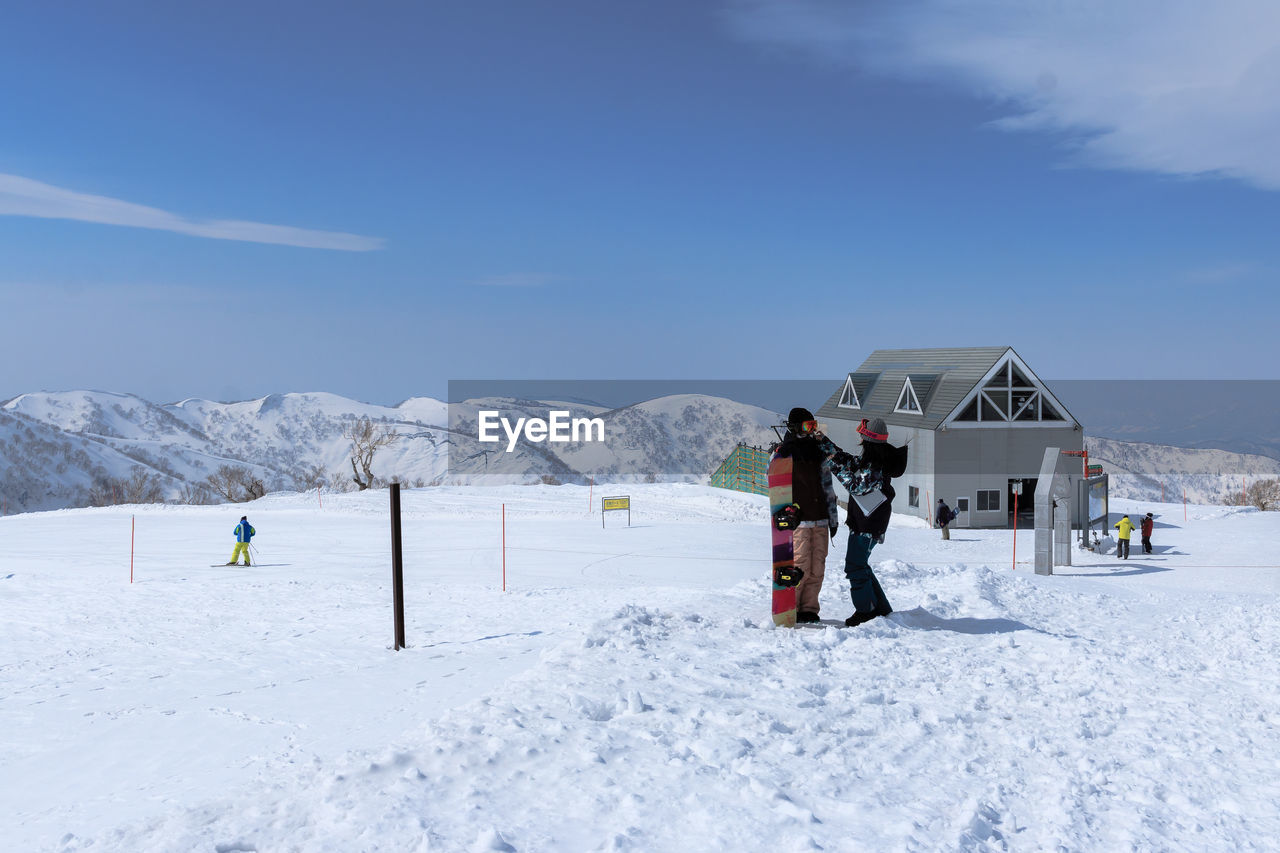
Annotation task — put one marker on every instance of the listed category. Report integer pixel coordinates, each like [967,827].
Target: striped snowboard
[784,597]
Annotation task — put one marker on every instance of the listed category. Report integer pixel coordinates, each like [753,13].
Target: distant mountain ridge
[55,446]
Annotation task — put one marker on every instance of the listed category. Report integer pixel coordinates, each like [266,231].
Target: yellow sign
[615,503]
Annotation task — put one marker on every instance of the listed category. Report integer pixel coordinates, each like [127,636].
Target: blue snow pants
[864,589]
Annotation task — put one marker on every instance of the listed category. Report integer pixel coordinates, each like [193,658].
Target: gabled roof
[942,380]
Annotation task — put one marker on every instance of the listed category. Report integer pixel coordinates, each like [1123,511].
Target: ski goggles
[805,427]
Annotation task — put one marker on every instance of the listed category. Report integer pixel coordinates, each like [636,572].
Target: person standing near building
[813,491]
[244,532]
[1148,524]
[943,517]
[867,476]
[1125,528]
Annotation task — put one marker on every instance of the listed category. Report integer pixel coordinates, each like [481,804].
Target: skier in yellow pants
[244,532]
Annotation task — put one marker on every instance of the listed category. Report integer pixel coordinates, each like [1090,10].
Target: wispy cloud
[516,279]
[1220,274]
[24,197]
[1179,87]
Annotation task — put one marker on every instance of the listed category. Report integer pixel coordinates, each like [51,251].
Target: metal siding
[974,459]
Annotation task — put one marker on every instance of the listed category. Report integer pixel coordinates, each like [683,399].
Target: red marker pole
[133,526]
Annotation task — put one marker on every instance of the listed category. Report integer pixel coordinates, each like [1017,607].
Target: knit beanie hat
[875,430]
[798,416]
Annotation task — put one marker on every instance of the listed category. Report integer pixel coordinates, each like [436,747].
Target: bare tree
[140,487]
[366,437]
[1264,494]
[196,494]
[236,484]
[307,478]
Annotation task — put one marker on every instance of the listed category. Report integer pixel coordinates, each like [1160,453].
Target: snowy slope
[627,691]
[1139,470]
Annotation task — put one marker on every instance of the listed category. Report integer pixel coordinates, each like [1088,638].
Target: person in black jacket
[943,517]
[814,493]
[867,477]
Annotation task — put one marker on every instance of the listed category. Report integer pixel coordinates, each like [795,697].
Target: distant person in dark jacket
[943,517]
[813,491]
[244,532]
[1148,524]
[867,476]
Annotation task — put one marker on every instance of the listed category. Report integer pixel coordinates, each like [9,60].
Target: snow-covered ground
[628,690]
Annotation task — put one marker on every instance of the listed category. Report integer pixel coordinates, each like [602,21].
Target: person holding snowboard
[867,476]
[813,491]
[943,517]
[1148,524]
[1125,528]
[244,532]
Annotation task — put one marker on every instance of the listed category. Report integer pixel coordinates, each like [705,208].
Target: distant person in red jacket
[1147,524]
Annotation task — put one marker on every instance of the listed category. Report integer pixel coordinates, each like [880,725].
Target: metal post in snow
[1015,531]
[397,568]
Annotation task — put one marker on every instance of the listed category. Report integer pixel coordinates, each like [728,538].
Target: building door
[1026,502]
[962,513]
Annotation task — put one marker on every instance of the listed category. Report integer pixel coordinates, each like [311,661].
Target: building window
[907,401]
[1009,395]
[849,396]
[988,500]
[913,496]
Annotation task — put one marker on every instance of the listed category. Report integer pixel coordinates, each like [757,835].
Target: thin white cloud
[24,197]
[516,279]
[1179,87]
[1221,274]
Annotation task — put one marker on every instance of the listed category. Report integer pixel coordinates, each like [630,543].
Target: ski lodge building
[977,421]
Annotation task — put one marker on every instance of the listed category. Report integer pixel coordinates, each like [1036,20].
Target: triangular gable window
[1008,395]
[849,396]
[907,402]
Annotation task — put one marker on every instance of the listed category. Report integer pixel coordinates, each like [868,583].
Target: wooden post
[397,567]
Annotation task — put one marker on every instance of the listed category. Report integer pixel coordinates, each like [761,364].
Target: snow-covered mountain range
[55,447]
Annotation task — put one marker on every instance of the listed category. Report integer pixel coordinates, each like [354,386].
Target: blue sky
[228,200]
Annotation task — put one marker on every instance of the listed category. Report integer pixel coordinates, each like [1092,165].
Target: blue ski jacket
[244,531]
